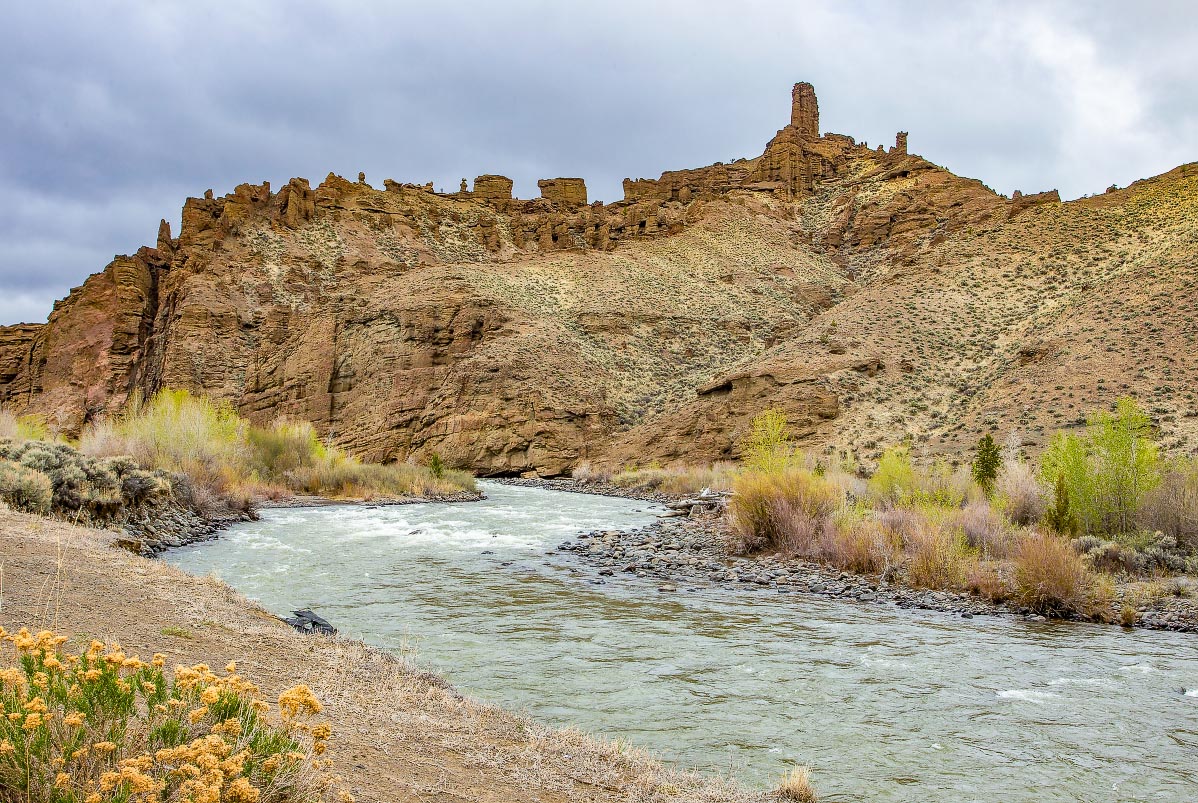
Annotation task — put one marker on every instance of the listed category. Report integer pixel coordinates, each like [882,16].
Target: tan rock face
[870,294]
[565,192]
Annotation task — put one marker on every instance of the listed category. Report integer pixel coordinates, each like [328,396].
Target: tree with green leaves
[767,447]
[986,463]
[1109,471]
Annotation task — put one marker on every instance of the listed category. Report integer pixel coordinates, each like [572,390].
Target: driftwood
[708,500]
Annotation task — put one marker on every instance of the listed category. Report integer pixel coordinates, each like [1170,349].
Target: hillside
[870,293]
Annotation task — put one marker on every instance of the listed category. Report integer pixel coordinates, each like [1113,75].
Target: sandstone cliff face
[515,336]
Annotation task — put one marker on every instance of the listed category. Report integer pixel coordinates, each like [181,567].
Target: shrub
[983,528]
[679,480]
[1172,507]
[860,545]
[103,725]
[989,579]
[228,461]
[1051,579]
[583,471]
[95,491]
[1108,473]
[765,508]
[939,558]
[895,480]
[1060,517]
[1018,493]
[25,489]
[22,428]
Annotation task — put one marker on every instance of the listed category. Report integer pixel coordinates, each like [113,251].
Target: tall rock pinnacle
[804,110]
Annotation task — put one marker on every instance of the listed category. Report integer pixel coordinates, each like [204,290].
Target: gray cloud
[112,112]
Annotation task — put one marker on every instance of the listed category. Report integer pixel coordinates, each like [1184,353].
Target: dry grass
[796,786]
[680,480]
[1051,578]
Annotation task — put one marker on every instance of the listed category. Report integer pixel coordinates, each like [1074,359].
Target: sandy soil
[399,734]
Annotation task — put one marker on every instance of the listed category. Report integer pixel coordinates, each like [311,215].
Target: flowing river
[884,704]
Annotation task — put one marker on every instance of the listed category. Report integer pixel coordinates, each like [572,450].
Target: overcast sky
[111,113]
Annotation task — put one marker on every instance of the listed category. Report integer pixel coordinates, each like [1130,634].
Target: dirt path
[399,734]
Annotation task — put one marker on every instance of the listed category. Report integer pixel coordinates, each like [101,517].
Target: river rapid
[884,704]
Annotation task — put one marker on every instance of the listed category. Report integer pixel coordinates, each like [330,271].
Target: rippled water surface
[886,705]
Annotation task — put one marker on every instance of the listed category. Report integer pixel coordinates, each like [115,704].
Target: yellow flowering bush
[101,726]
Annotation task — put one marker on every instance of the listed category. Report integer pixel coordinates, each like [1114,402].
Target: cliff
[869,292]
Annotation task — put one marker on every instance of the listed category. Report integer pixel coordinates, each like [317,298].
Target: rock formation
[869,293]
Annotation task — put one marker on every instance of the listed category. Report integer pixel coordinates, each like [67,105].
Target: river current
[884,704]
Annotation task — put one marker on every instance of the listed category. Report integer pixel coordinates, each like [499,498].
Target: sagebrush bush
[25,489]
[94,491]
[102,726]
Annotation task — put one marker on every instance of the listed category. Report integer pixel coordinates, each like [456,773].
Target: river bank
[400,734]
[730,675]
[680,551]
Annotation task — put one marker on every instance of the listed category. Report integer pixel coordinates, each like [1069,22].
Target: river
[884,704]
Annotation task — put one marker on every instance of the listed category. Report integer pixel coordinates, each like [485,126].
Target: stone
[804,111]
[567,193]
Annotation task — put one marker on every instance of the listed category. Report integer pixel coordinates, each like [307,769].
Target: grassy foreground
[1100,507]
[396,734]
[201,454]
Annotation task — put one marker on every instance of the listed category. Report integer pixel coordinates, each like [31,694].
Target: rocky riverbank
[679,552]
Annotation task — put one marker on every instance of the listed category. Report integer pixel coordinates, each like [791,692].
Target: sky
[112,113]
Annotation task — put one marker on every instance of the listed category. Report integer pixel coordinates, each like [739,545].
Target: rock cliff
[870,293]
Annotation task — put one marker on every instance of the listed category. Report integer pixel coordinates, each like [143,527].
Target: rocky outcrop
[517,336]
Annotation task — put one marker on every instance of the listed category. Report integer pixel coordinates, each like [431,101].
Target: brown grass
[796,786]
[779,511]
[1052,579]
[675,480]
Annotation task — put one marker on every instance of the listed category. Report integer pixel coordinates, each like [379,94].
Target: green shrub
[895,480]
[1108,473]
[25,489]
